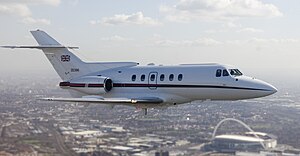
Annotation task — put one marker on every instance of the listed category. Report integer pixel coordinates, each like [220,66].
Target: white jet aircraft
[128,83]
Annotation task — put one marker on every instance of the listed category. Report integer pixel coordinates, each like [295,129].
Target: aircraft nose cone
[266,89]
[270,89]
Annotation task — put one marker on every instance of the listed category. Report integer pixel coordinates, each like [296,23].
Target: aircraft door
[152,80]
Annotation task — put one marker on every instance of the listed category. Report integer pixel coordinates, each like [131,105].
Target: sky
[260,37]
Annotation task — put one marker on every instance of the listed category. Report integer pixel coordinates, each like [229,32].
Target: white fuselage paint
[199,82]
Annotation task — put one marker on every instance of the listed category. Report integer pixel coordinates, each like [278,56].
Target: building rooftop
[257,133]
[239,138]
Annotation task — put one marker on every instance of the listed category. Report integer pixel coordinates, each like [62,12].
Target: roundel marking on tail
[65,58]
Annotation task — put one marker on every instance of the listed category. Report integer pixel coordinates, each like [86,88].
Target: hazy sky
[262,35]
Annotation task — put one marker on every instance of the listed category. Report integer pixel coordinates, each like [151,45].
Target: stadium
[247,141]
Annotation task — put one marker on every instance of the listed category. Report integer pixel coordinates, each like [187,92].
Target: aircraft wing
[145,100]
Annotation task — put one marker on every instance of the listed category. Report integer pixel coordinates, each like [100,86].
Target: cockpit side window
[239,72]
[235,72]
[225,72]
[218,73]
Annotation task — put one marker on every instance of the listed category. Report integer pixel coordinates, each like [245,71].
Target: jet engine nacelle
[91,85]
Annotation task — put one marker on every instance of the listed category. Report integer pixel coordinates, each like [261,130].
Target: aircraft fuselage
[177,84]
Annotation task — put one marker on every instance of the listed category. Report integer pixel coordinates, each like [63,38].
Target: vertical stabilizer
[66,64]
[43,38]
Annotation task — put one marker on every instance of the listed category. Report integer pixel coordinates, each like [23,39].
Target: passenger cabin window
[162,77]
[180,76]
[218,73]
[152,77]
[225,72]
[235,72]
[133,78]
[143,77]
[171,77]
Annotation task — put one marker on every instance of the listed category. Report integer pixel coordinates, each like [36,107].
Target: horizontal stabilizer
[41,47]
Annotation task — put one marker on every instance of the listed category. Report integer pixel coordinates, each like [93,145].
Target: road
[60,144]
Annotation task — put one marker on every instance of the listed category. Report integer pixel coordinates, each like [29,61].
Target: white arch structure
[238,121]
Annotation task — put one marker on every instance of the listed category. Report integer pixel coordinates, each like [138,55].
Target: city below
[32,127]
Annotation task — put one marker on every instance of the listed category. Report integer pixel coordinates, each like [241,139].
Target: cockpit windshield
[235,72]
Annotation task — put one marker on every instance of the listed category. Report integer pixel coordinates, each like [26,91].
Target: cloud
[47,2]
[30,20]
[263,41]
[273,40]
[15,9]
[250,30]
[214,10]
[158,40]
[73,2]
[188,43]
[231,27]
[94,22]
[115,38]
[32,2]
[21,9]
[214,31]
[123,19]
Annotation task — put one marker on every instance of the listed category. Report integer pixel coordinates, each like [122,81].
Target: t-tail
[67,65]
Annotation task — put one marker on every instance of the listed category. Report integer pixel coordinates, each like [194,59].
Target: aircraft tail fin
[43,38]
[66,64]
